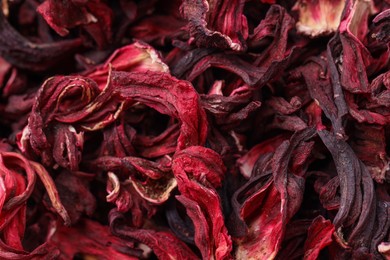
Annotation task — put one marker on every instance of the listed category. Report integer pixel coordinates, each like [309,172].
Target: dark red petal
[319,236]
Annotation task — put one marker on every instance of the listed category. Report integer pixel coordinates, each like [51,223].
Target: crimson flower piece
[152,181]
[169,96]
[198,171]
[352,174]
[217,24]
[95,17]
[279,194]
[15,190]
[24,54]
[93,239]
[131,58]
[319,236]
[45,135]
[164,244]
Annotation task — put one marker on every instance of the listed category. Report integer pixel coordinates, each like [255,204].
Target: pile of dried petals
[195,129]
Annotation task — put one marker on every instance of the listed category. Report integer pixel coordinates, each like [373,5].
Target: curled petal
[167,95]
[354,178]
[165,245]
[51,191]
[57,101]
[27,55]
[152,180]
[92,239]
[131,58]
[94,16]
[113,187]
[319,236]
[216,23]
[197,171]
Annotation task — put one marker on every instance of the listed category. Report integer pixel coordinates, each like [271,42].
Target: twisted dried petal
[153,181]
[198,171]
[320,89]
[52,192]
[126,198]
[135,57]
[357,208]
[27,55]
[71,188]
[10,163]
[165,245]
[92,239]
[319,236]
[42,252]
[279,198]
[230,112]
[94,15]
[169,96]
[57,101]
[219,24]
[350,55]
[15,191]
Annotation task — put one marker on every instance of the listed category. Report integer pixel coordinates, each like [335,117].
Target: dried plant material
[205,129]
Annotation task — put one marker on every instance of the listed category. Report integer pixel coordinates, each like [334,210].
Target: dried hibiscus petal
[319,236]
[71,188]
[353,174]
[167,95]
[210,29]
[126,198]
[15,190]
[371,138]
[95,16]
[355,57]
[27,55]
[55,101]
[92,239]
[164,244]
[330,99]
[279,197]
[131,58]
[153,181]
[71,15]
[229,112]
[198,171]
